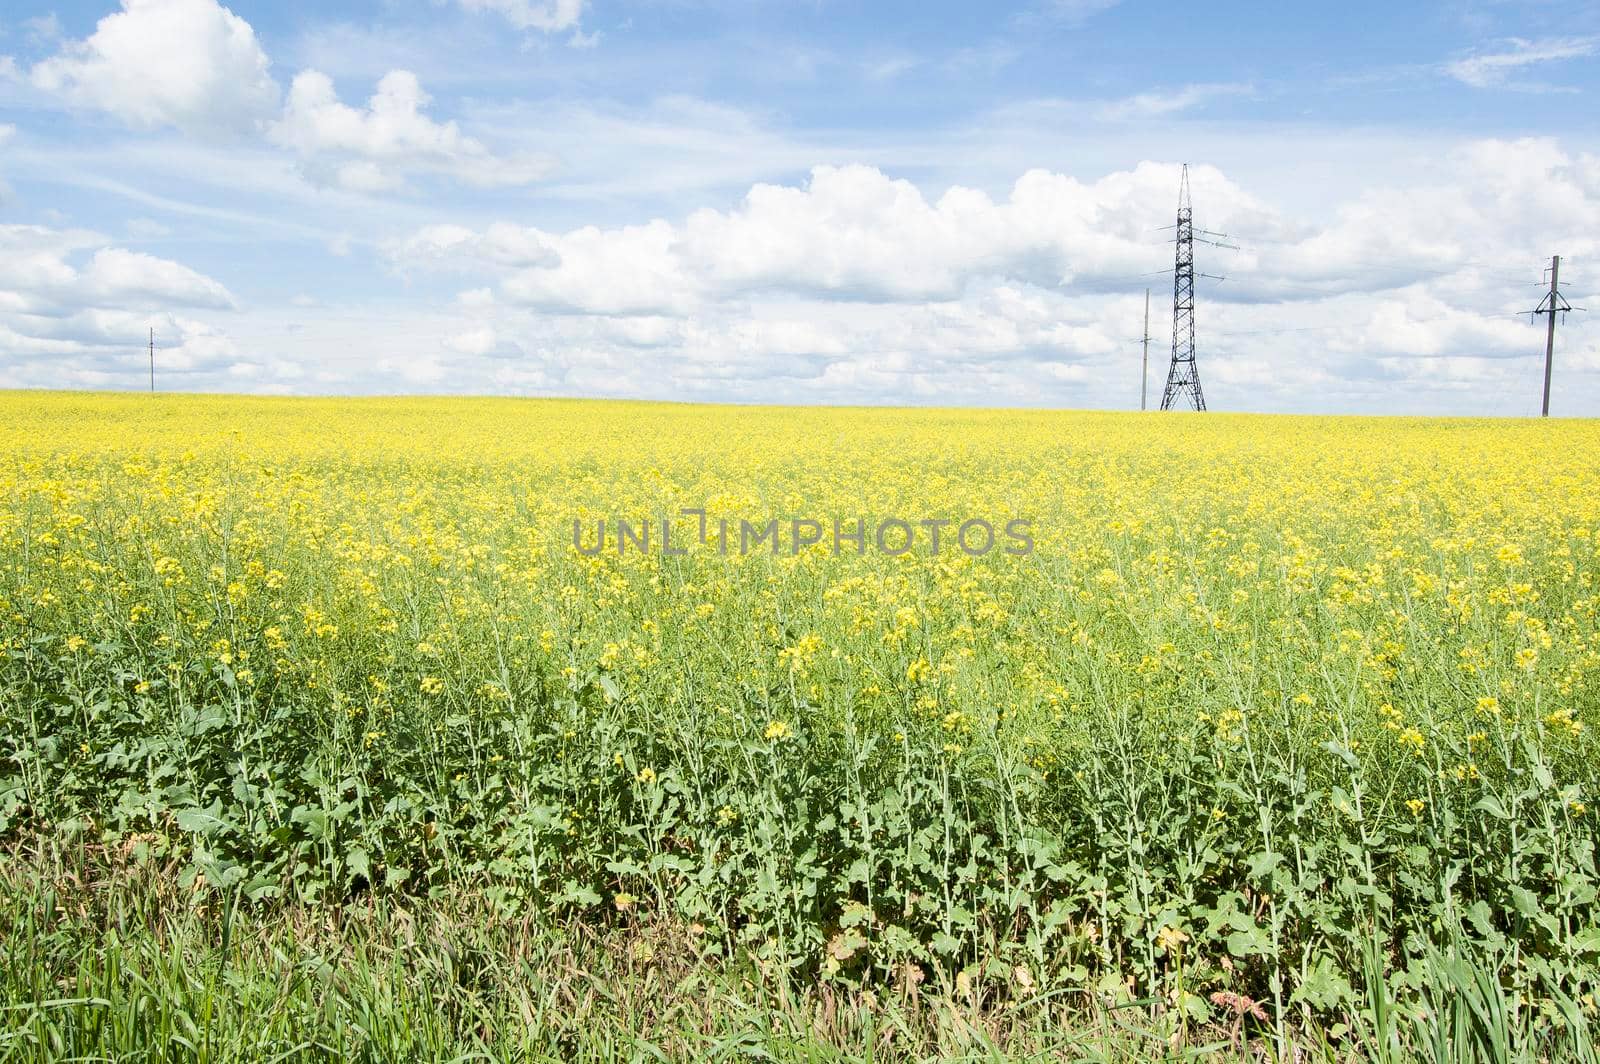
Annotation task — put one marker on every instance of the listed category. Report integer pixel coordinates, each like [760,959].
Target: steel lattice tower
[1183,376]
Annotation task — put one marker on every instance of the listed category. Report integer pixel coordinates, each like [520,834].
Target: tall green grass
[107,958]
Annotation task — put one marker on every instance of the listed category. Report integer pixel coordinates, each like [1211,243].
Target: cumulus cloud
[373,147]
[632,270]
[857,286]
[42,271]
[38,275]
[74,311]
[196,66]
[1494,69]
[128,277]
[548,16]
[850,233]
[191,64]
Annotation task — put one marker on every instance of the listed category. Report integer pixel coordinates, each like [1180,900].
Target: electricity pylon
[1183,375]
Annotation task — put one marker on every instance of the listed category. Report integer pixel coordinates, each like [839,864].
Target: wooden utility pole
[152,360]
[1144,370]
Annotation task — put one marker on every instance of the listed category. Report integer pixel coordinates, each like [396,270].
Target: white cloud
[484,343]
[147,229]
[1070,12]
[888,69]
[33,262]
[855,286]
[1160,104]
[196,66]
[375,147]
[42,29]
[1493,69]
[128,277]
[38,275]
[632,270]
[501,244]
[76,312]
[850,233]
[6,133]
[192,64]
[548,16]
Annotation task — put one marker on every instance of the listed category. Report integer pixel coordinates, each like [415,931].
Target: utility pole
[1144,368]
[152,360]
[1552,304]
[1550,333]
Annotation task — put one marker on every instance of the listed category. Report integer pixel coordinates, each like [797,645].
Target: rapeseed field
[1244,731]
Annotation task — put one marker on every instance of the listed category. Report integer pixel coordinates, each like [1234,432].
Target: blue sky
[799,202]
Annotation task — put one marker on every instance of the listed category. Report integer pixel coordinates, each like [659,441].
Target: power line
[1392,264]
[1325,289]
[1349,327]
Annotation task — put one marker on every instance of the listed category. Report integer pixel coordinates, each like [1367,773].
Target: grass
[111,960]
[128,966]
